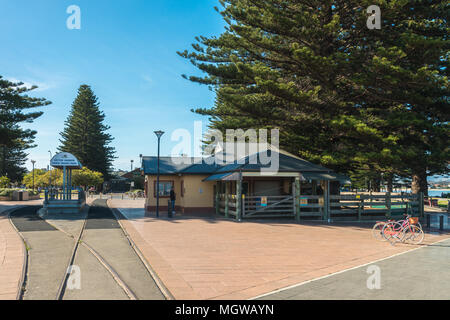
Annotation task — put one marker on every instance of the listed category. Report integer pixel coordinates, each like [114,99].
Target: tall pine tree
[85,134]
[16,108]
[354,99]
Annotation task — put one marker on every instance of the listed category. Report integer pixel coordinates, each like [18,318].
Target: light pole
[159,134]
[50,169]
[132,165]
[33,162]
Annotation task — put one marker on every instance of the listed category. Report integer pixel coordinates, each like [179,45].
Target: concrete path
[419,274]
[96,283]
[49,253]
[103,233]
[223,259]
[51,242]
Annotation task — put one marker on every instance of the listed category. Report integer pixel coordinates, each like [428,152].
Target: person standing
[172,202]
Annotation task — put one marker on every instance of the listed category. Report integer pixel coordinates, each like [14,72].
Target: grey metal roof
[178,165]
[326,176]
[287,163]
[191,165]
[167,165]
[227,176]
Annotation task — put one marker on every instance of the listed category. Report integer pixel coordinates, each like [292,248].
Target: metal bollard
[441,223]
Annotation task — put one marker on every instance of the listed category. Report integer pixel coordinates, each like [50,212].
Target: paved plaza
[416,275]
[223,259]
[215,258]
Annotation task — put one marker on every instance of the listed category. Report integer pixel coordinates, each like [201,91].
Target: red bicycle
[377,230]
[407,231]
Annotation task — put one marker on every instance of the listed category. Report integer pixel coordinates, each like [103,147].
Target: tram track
[80,241]
[110,263]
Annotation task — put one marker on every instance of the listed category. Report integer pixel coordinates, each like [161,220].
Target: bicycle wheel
[413,235]
[377,231]
[392,232]
[419,225]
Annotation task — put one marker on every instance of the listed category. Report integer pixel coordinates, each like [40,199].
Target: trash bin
[20,195]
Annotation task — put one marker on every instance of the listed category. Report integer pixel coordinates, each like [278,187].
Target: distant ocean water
[437,192]
[432,192]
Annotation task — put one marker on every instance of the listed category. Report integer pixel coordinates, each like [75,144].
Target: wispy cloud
[147,79]
[41,86]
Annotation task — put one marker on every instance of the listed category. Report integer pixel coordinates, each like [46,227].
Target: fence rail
[352,207]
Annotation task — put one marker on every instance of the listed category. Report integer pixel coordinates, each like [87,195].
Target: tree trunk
[389,182]
[3,162]
[376,184]
[389,185]
[419,182]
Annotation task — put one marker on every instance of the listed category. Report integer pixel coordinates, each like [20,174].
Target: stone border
[23,276]
[26,257]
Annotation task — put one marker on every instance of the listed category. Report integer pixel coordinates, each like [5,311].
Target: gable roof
[191,165]
[167,165]
[287,163]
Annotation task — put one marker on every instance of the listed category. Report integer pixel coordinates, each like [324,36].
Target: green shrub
[31,192]
[6,192]
[4,182]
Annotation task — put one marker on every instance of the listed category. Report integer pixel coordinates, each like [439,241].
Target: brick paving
[222,259]
[11,252]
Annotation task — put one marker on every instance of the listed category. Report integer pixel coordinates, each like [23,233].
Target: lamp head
[159,133]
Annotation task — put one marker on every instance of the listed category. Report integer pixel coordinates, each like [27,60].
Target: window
[164,188]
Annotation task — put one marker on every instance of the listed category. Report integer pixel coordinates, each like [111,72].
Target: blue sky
[125,50]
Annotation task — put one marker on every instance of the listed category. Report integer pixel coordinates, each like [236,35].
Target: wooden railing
[368,207]
[227,205]
[270,206]
[354,207]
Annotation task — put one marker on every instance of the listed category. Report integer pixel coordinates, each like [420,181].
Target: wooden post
[421,205]
[243,205]
[227,190]
[239,198]
[326,202]
[294,205]
[297,198]
[360,207]
[388,205]
[314,187]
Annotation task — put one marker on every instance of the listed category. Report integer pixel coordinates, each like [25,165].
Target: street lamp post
[50,170]
[132,165]
[158,133]
[33,162]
